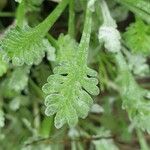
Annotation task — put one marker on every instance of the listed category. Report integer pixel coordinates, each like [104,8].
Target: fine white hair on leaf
[111,38]
[108,32]
[91,5]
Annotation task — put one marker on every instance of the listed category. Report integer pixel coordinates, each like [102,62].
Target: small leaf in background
[19,78]
[3,66]
[108,34]
[97,109]
[17,102]
[134,97]
[19,1]
[15,82]
[137,37]
[23,47]
[2,119]
[138,65]
[104,144]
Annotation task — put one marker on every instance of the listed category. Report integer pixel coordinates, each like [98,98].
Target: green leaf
[22,47]
[138,7]
[70,87]
[108,34]
[26,46]
[15,82]
[137,37]
[3,66]
[19,78]
[2,119]
[105,144]
[143,5]
[134,97]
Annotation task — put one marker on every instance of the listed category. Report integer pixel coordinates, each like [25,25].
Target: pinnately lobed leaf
[26,45]
[72,83]
[22,46]
[70,87]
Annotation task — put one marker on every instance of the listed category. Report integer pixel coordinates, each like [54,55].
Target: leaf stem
[142,140]
[121,62]
[7,14]
[85,39]
[108,20]
[38,91]
[52,40]
[71,23]
[20,14]
[44,27]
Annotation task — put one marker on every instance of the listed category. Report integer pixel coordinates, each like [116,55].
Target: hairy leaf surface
[72,83]
[137,37]
[134,97]
[70,87]
[22,46]
[26,45]
[15,82]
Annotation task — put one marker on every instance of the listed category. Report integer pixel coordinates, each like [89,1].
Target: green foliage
[144,5]
[49,95]
[105,145]
[24,46]
[19,1]
[108,34]
[140,8]
[137,37]
[72,82]
[16,82]
[134,97]
[3,66]
[19,79]
[2,119]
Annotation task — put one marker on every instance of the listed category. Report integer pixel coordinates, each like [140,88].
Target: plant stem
[121,62]
[44,27]
[36,89]
[52,40]
[71,23]
[142,141]
[7,14]
[20,15]
[142,14]
[47,125]
[85,39]
[108,20]
[36,114]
